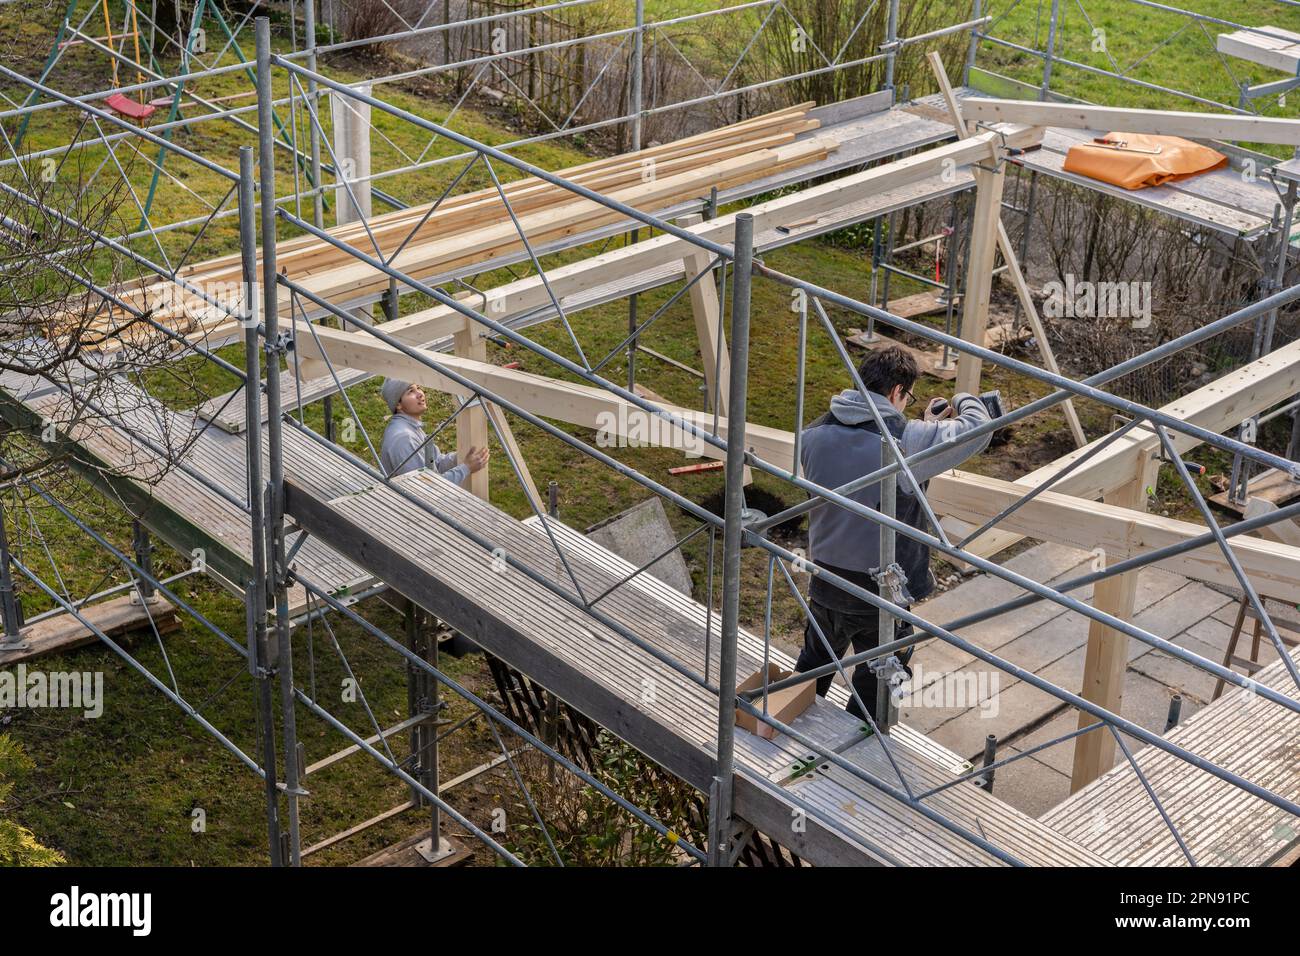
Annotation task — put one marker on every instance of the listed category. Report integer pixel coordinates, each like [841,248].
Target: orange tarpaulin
[1134,160]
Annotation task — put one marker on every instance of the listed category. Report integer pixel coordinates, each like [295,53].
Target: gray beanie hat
[393,389]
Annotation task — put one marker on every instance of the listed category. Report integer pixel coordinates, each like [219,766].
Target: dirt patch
[790,534]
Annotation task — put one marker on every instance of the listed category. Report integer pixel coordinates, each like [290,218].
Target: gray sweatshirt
[836,450]
[402,451]
[850,409]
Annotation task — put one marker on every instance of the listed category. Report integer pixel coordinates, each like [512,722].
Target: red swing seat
[125,106]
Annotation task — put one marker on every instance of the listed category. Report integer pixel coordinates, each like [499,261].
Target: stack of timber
[474,227]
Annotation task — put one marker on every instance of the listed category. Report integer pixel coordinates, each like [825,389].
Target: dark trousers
[840,629]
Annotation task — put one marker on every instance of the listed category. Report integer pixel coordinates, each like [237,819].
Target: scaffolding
[304,501]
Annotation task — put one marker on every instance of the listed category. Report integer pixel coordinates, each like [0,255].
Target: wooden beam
[351,120]
[1040,333]
[1218,406]
[1009,255]
[1106,659]
[525,295]
[1268,46]
[979,274]
[471,423]
[511,447]
[707,311]
[1287,531]
[1226,126]
[116,618]
[578,404]
[339,277]
[789,120]
[1121,533]
[1052,516]
[477,208]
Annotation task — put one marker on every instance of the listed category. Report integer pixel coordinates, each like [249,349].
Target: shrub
[17,845]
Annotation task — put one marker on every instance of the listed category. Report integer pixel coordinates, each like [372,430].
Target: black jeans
[842,628]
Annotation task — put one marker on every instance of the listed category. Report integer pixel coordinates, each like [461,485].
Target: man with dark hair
[845,444]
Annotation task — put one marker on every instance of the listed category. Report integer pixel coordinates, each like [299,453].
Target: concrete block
[639,535]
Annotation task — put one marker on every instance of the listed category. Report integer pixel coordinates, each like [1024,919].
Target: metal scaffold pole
[259,663]
[12,639]
[1262,342]
[313,138]
[275,346]
[885,625]
[313,97]
[638,69]
[1046,88]
[722,798]
[891,44]
[424,642]
[976,13]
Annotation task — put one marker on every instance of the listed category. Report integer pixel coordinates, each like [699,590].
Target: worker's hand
[939,409]
[477,459]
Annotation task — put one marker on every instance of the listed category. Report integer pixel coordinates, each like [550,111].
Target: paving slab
[1211,633]
[1146,703]
[1044,562]
[1180,609]
[1015,708]
[1059,757]
[1050,642]
[996,633]
[950,704]
[1177,676]
[1036,786]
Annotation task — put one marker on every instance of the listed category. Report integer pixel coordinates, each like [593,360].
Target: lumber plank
[1225,126]
[430,324]
[115,617]
[527,194]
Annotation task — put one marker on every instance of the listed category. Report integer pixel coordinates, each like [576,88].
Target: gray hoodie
[849,408]
[837,449]
[404,449]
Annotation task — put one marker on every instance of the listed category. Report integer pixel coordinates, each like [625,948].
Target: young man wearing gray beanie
[405,446]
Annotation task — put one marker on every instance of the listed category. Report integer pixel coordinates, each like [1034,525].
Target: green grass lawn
[123,789]
[1143,43]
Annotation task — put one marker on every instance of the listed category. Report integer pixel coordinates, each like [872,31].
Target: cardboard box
[785,704]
